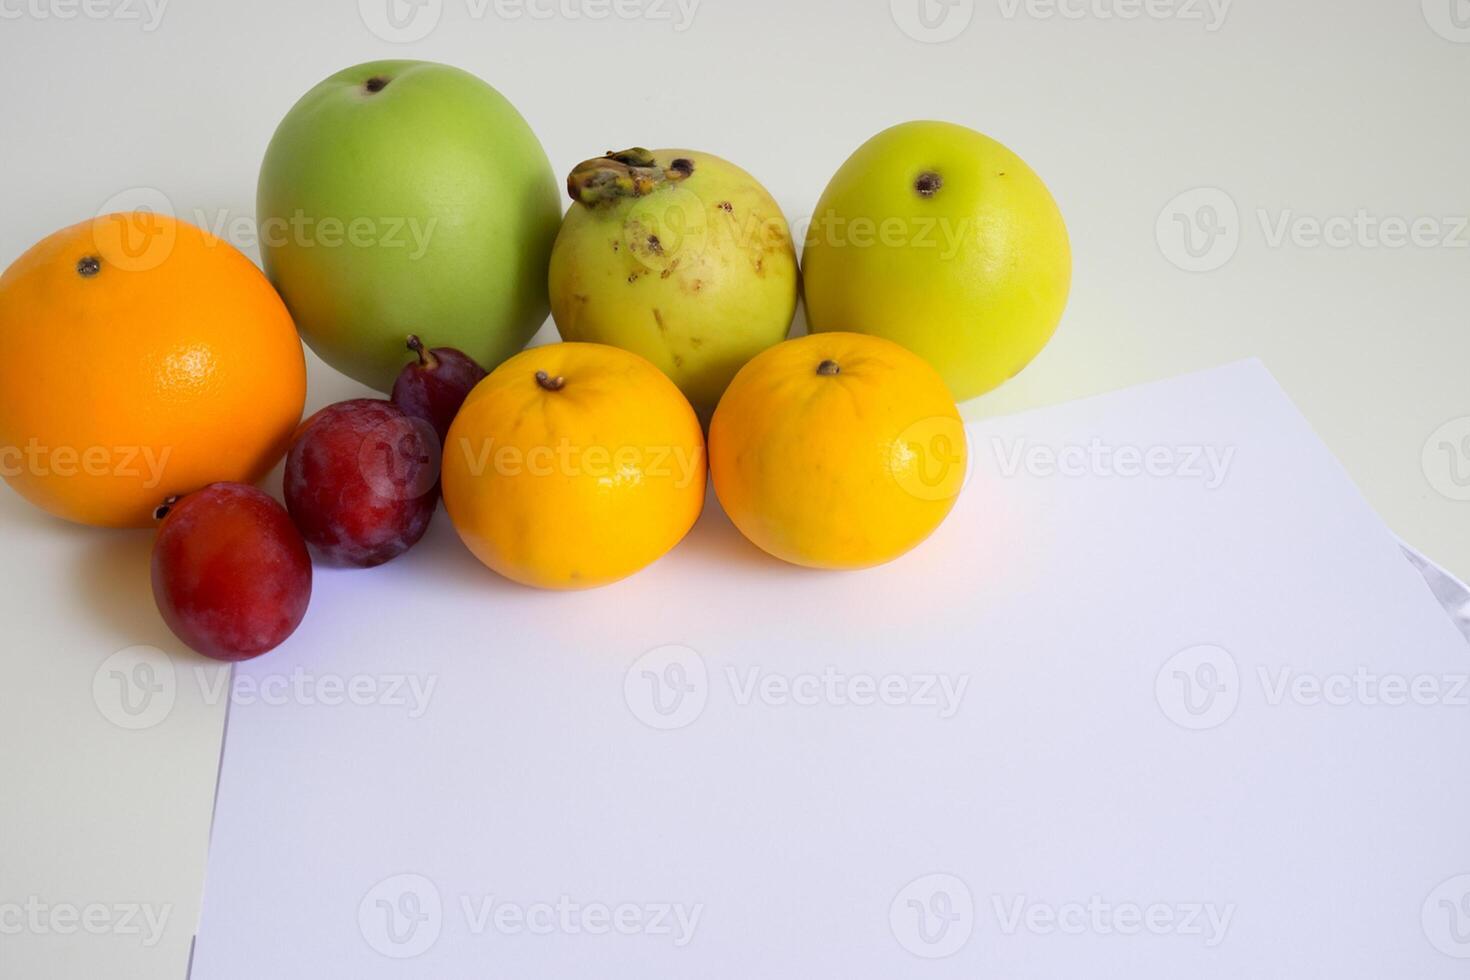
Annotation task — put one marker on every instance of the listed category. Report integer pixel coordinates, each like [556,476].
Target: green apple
[406,197]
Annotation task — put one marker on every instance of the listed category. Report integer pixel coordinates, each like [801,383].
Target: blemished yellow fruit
[574,465]
[837,450]
[943,240]
[678,256]
[146,359]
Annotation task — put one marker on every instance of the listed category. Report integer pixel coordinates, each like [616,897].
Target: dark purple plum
[436,385]
[362,481]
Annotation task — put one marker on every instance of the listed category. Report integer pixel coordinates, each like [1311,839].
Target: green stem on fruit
[548,382]
[614,176]
[829,368]
[427,359]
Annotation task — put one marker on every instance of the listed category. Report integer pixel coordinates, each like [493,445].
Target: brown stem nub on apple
[829,368]
[548,382]
[163,509]
[427,360]
[630,173]
[376,84]
[89,266]
[928,183]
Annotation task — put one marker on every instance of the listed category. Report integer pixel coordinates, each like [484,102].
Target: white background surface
[1114,717]
[1304,111]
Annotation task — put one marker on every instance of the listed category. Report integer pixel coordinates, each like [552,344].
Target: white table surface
[1294,115]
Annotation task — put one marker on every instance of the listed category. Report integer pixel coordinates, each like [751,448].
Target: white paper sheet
[1171,706]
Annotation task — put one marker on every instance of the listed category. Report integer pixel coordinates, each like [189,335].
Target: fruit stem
[828,367]
[426,356]
[548,382]
[163,509]
[631,173]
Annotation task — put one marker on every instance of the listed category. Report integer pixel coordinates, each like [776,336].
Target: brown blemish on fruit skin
[678,361]
[375,84]
[614,176]
[165,508]
[727,207]
[670,270]
[928,183]
[580,298]
[696,342]
[88,266]
[655,246]
[659,319]
[632,277]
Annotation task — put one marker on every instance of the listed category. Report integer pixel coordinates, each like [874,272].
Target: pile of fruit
[936,266]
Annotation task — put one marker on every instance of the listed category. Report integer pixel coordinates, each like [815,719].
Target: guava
[676,255]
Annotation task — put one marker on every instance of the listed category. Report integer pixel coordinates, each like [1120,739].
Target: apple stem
[828,367]
[426,356]
[163,509]
[630,173]
[548,382]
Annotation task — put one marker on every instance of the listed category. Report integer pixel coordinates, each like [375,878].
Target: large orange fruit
[145,359]
[574,465]
[837,450]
